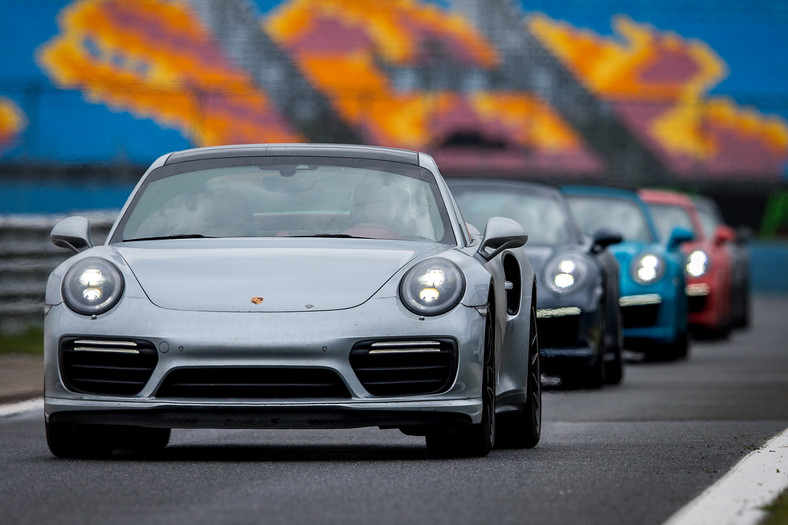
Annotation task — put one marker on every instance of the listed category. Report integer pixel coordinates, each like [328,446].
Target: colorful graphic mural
[354,53]
[154,59]
[658,83]
[406,73]
[12,123]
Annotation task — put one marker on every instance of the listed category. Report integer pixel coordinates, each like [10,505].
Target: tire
[99,441]
[683,346]
[473,440]
[76,441]
[523,429]
[614,368]
[668,352]
[143,439]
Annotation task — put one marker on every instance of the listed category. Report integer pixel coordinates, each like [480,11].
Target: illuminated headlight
[565,273]
[92,286]
[432,287]
[697,263]
[648,268]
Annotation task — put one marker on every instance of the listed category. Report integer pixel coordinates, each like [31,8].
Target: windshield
[622,215]
[708,221]
[540,214]
[667,217]
[288,197]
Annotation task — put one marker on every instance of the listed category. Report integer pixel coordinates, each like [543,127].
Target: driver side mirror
[604,237]
[72,233]
[724,234]
[679,236]
[501,234]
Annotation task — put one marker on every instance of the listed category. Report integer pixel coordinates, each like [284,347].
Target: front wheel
[473,440]
[99,441]
[614,366]
[523,429]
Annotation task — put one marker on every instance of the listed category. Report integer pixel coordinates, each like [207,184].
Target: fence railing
[27,257]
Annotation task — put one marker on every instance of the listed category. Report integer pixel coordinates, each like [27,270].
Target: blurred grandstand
[489,87]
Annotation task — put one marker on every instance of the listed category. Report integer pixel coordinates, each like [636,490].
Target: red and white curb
[739,496]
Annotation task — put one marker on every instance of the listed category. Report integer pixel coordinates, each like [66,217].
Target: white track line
[23,406]
[738,498]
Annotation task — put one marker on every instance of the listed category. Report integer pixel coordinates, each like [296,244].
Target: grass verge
[778,511]
[28,342]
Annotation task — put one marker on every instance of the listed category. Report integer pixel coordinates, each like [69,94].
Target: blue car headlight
[565,273]
[432,287]
[92,286]
[648,268]
[697,263]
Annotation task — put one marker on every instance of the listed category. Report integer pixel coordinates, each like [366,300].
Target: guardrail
[27,257]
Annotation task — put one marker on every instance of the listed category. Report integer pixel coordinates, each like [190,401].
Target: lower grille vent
[106,366]
[253,383]
[558,332]
[405,367]
[638,316]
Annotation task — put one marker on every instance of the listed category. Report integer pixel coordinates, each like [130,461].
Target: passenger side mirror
[501,234]
[679,236]
[604,237]
[72,233]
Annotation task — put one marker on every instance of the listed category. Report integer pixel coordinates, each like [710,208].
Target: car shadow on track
[279,453]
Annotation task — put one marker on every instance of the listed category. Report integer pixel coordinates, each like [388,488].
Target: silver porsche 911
[291,286]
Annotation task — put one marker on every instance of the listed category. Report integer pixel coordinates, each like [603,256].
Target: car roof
[296,150]
[666,197]
[604,191]
[615,193]
[531,187]
[503,183]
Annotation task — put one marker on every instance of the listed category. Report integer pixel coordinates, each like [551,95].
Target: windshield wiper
[167,237]
[329,236]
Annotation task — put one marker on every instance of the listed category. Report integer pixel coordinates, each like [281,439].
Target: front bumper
[569,329]
[706,309]
[655,313]
[568,338]
[309,341]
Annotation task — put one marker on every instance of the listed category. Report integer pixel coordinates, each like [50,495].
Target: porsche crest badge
[257,300]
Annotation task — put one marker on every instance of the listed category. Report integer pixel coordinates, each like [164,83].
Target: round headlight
[565,273]
[92,286]
[697,263]
[648,268]
[432,287]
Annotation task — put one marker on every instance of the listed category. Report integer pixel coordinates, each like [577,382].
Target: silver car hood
[267,275]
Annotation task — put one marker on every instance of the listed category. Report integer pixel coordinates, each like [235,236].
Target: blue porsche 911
[653,298]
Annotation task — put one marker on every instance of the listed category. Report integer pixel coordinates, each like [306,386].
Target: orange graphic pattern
[12,122]
[659,82]
[372,61]
[154,59]
[396,33]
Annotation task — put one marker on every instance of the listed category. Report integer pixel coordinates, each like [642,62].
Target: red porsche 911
[708,261]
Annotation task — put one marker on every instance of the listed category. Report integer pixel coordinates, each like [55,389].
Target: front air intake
[119,367]
[253,383]
[405,367]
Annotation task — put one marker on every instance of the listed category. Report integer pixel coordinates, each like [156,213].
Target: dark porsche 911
[578,317]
